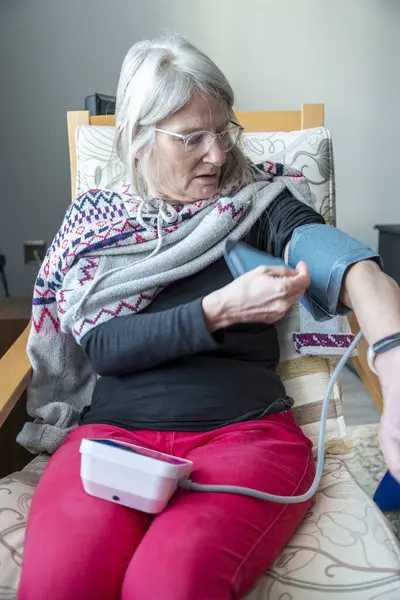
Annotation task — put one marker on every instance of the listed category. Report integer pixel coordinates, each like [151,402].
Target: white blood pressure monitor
[131,475]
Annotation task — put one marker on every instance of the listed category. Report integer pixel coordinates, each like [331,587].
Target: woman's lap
[217,545]
[203,546]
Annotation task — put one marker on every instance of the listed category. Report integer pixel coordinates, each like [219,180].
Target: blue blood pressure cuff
[328,253]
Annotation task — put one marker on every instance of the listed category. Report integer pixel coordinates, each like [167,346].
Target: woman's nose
[215,155]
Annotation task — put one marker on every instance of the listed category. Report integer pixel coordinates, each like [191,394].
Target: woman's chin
[204,191]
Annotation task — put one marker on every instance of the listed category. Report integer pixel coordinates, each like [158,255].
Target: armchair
[344,547]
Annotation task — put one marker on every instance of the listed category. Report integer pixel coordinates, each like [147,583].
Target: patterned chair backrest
[309,151]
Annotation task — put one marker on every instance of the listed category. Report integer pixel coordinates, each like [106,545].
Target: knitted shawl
[110,258]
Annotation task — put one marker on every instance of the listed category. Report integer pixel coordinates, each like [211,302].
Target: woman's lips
[207,179]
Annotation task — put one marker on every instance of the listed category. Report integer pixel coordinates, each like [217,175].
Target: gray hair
[157,79]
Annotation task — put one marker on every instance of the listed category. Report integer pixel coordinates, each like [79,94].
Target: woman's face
[192,175]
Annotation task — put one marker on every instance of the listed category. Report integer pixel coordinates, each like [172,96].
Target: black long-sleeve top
[163,370]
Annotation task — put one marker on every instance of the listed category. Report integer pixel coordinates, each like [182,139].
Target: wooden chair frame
[15,369]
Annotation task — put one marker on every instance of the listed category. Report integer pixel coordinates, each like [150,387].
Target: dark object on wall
[34,252]
[3,275]
[389,249]
[100,104]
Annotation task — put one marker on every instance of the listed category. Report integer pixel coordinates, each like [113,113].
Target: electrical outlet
[34,252]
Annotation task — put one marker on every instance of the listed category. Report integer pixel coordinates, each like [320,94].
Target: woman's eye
[195,139]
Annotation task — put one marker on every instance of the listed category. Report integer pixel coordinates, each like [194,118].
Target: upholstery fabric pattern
[343,548]
[16,491]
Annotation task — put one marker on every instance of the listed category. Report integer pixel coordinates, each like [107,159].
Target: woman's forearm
[375,299]
[134,343]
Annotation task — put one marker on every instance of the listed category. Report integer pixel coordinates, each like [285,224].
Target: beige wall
[344,53]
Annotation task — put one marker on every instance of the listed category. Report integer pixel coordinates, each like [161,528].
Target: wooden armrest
[15,373]
[360,362]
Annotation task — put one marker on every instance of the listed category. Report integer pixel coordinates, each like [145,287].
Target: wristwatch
[381,346]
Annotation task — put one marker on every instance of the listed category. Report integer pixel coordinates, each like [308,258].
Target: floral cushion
[16,491]
[344,548]
[310,151]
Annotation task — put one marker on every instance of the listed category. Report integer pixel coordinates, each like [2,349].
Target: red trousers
[203,546]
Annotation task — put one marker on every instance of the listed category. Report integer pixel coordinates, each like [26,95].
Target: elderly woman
[137,291]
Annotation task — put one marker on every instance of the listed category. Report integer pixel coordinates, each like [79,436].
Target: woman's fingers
[295,284]
[302,269]
[280,308]
[276,272]
[301,281]
[264,294]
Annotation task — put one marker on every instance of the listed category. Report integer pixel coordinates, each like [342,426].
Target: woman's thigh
[208,546]
[76,546]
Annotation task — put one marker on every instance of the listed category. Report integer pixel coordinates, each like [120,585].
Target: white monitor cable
[190,485]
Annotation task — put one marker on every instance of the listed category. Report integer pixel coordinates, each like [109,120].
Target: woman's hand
[263,295]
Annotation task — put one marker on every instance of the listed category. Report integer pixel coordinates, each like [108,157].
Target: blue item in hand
[387,495]
[241,258]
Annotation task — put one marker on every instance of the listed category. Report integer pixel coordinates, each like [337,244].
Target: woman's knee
[88,561]
[64,578]
[177,577]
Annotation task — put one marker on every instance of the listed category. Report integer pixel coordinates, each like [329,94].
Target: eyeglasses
[200,142]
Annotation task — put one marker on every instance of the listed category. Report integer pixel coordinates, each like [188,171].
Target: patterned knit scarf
[111,258]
